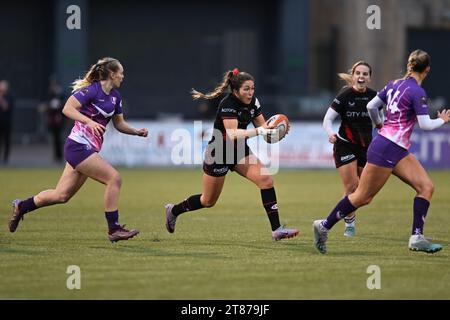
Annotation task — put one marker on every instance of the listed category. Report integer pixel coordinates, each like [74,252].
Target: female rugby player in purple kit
[406,104]
[94,103]
[234,114]
[350,143]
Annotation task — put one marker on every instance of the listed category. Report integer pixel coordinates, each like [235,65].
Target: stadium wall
[181,144]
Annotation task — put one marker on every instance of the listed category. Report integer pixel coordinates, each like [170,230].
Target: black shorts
[219,169]
[345,152]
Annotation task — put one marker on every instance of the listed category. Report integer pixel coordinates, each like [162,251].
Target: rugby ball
[281,123]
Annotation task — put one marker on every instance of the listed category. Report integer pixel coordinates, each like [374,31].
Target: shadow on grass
[165,253]
[22,251]
[279,245]
[383,238]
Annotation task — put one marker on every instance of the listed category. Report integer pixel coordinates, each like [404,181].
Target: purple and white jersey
[405,100]
[98,106]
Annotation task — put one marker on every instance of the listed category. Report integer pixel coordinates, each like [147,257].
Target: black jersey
[356,125]
[232,108]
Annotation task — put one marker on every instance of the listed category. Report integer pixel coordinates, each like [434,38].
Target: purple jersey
[405,100]
[98,106]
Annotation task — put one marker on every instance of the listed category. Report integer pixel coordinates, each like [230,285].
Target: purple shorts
[383,152]
[75,152]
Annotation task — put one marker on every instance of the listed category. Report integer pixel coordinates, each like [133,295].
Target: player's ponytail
[418,61]
[232,78]
[348,77]
[97,72]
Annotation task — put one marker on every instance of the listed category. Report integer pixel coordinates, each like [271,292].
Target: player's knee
[265,182]
[116,179]
[427,189]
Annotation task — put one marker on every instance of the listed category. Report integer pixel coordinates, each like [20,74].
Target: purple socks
[113,219]
[421,206]
[343,208]
[26,206]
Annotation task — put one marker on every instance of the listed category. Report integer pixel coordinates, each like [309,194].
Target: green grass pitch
[225,252]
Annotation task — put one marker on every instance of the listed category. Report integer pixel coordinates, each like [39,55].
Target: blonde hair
[232,78]
[418,61]
[97,72]
[348,77]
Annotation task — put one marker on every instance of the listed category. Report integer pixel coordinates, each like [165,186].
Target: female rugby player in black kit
[355,132]
[228,150]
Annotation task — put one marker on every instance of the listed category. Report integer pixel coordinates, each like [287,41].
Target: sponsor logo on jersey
[228,110]
[351,114]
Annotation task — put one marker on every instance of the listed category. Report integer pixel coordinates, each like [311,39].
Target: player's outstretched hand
[265,132]
[142,132]
[444,115]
